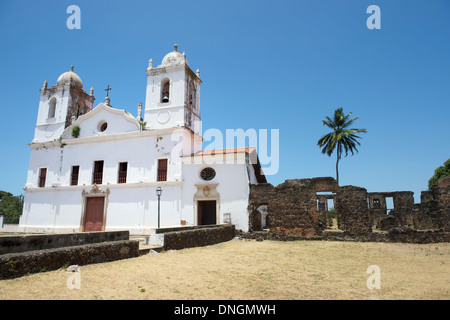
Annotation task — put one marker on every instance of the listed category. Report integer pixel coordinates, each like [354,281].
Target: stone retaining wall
[403,235]
[18,264]
[198,237]
[29,242]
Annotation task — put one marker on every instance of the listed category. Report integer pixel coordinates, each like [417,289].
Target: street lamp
[158,193]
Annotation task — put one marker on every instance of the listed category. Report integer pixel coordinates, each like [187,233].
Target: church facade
[102,169]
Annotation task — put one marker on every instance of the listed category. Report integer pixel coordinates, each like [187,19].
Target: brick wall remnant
[198,237]
[352,210]
[434,209]
[291,206]
[401,215]
[295,208]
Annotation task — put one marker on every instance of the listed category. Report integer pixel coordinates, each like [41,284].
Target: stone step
[144,249]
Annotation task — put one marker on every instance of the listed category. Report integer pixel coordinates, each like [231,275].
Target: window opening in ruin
[389,204]
[325,193]
[376,204]
[330,204]
[320,206]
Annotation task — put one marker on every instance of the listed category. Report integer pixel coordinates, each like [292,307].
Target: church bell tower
[60,105]
[173,94]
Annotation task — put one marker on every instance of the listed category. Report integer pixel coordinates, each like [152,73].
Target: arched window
[192,94]
[165,93]
[52,108]
[80,109]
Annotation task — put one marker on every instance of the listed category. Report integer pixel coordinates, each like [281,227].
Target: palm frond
[342,138]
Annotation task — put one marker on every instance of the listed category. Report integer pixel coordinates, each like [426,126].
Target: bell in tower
[165,93]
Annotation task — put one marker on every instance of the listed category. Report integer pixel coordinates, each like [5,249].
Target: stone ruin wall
[434,209]
[352,210]
[296,207]
[291,206]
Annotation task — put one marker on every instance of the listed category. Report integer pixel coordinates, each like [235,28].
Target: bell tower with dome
[173,94]
[60,105]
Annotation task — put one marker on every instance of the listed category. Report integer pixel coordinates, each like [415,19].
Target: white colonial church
[98,169]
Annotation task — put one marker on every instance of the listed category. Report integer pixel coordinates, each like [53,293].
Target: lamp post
[158,193]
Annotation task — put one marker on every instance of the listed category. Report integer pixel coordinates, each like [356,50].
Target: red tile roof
[224,151]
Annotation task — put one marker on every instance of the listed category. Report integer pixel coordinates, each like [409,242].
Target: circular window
[207,174]
[102,126]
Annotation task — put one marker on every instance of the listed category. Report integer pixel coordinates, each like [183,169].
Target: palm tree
[341,138]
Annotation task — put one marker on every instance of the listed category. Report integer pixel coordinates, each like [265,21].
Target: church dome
[71,78]
[174,58]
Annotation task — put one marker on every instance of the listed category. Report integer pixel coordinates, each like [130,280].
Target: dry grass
[255,270]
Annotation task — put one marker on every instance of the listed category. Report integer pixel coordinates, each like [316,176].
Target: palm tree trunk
[337,163]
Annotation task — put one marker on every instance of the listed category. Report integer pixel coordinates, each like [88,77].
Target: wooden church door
[94,214]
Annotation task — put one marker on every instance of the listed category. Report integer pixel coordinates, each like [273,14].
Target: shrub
[76,131]
[440,172]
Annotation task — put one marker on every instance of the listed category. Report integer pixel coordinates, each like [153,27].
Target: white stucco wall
[118,122]
[51,210]
[232,186]
[58,207]
[131,207]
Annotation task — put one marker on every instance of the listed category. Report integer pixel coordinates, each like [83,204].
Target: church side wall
[232,188]
[136,208]
[140,153]
[133,208]
[51,211]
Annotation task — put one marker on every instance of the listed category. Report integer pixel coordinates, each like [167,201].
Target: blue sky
[264,64]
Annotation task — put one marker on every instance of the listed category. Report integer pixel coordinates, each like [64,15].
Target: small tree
[10,206]
[440,172]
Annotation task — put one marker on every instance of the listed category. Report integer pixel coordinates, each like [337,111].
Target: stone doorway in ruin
[326,208]
[259,218]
